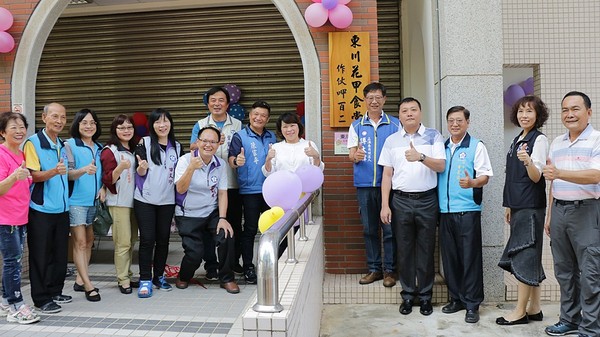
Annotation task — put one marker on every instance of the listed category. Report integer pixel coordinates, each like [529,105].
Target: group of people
[409,180]
[51,187]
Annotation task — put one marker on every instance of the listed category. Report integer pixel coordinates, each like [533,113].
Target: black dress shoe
[503,321]
[452,307]
[536,317]
[472,316]
[406,307]
[426,307]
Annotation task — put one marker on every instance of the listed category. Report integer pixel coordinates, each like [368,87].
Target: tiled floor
[200,310]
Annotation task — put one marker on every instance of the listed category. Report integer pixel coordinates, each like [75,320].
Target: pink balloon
[6,19]
[283,189]
[329,4]
[316,15]
[340,16]
[317,1]
[7,43]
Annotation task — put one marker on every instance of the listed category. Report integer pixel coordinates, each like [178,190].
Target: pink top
[15,202]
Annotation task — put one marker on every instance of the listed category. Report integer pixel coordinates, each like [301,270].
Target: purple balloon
[311,177]
[329,4]
[234,93]
[527,86]
[236,110]
[512,94]
[283,189]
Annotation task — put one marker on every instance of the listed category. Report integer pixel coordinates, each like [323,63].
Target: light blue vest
[452,197]
[249,176]
[52,195]
[86,187]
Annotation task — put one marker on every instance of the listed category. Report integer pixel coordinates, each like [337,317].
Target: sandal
[78,287]
[93,298]
[124,290]
[145,289]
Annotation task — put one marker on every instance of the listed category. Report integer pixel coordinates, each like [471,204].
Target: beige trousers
[124,234]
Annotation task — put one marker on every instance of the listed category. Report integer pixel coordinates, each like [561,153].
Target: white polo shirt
[412,176]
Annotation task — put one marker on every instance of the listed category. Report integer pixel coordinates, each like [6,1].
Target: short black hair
[374,87]
[289,118]
[262,104]
[459,108]
[408,100]
[586,99]
[210,127]
[215,90]
[79,116]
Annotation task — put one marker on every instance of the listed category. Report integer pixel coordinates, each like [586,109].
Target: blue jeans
[369,203]
[12,240]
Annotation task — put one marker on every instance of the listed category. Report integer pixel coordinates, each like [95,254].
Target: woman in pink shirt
[15,181]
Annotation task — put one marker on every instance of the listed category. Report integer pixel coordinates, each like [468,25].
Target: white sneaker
[23,316]
[4,309]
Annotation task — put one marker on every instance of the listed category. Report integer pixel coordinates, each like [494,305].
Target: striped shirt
[582,154]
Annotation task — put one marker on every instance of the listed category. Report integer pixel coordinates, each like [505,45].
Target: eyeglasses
[124,128]
[208,141]
[374,98]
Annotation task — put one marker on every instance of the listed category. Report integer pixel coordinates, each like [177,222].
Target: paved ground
[368,320]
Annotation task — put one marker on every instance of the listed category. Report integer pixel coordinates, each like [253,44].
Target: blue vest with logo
[366,172]
[249,176]
[452,197]
[86,187]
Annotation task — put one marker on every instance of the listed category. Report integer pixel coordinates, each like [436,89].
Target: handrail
[268,254]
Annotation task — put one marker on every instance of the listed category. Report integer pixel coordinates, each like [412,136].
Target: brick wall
[21,10]
[344,243]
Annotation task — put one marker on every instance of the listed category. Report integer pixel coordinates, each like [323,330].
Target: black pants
[460,243]
[48,241]
[234,217]
[254,204]
[154,223]
[414,221]
[192,232]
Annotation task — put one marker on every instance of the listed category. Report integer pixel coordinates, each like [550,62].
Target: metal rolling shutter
[124,63]
[388,19]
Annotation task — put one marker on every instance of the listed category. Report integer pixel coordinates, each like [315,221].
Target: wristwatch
[423,156]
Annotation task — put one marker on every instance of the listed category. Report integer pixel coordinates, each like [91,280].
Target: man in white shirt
[410,159]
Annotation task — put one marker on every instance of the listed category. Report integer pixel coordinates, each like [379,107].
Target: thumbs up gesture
[465,182]
[310,151]
[412,154]
[240,160]
[60,167]
[143,164]
[91,168]
[550,171]
[523,155]
[21,173]
[271,154]
[195,161]
[125,163]
[360,153]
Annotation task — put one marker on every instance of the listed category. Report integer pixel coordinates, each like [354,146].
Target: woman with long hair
[118,176]
[85,172]
[154,199]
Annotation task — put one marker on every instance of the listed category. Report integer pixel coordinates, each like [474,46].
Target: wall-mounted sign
[349,73]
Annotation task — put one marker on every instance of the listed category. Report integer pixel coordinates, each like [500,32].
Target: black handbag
[103,220]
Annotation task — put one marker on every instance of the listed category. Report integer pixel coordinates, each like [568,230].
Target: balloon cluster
[235,109]
[7,43]
[336,11]
[141,124]
[515,92]
[282,189]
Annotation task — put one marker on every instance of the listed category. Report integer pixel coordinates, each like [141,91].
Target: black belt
[572,202]
[415,195]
